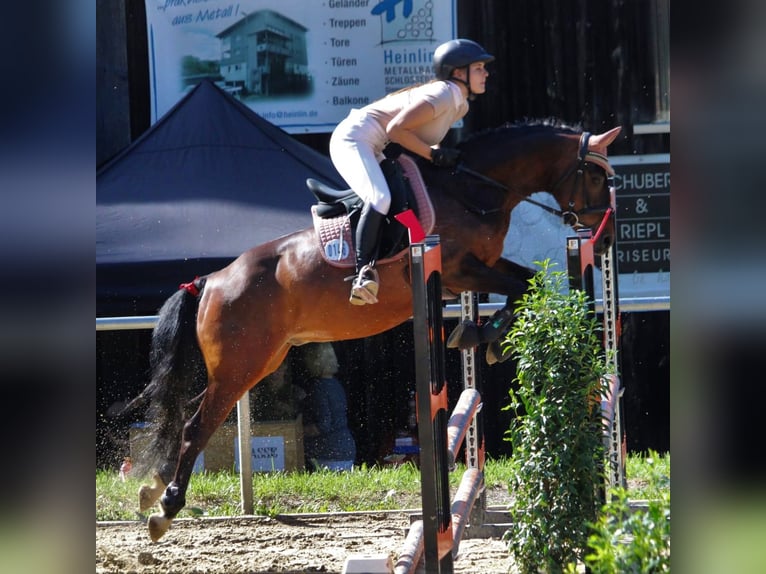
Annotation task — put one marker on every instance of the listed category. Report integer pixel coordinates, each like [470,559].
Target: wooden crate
[219,452]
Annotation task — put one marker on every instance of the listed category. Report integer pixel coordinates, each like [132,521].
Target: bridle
[570,216]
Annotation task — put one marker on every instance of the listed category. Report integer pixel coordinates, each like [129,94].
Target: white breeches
[356,149]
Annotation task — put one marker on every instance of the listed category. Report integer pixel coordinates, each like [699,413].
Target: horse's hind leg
[148,495]
[196,434]
[240,344]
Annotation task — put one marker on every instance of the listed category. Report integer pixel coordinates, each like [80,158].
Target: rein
[498,185]
[569,217]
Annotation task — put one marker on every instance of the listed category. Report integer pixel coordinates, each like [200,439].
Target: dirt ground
[288,544]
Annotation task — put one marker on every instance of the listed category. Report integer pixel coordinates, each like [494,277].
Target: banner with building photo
[300,64]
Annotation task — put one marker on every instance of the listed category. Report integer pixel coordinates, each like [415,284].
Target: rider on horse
[417,118]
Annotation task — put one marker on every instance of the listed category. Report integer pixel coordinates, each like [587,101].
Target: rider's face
[477,77]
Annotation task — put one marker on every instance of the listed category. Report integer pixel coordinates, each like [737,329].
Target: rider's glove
[392,150]
[445,156]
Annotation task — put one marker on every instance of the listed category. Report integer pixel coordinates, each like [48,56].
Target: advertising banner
[642,184]
[267,452]
[300,64]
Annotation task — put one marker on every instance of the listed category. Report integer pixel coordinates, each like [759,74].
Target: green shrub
[557,434]
[630,541]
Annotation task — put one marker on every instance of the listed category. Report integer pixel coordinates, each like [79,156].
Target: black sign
[643,217]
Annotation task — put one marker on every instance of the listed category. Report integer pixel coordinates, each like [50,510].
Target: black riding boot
[365,287]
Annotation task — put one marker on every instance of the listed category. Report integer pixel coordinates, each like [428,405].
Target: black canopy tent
[206,182]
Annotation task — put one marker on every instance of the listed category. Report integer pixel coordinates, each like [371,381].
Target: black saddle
[333,202]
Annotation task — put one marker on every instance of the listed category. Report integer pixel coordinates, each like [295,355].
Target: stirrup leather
[364,289]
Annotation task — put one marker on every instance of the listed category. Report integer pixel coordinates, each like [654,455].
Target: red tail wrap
[191,287]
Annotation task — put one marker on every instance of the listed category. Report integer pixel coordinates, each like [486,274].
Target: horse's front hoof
[498,325]
[149,495]
[496,354]
[158,526]
[465,336]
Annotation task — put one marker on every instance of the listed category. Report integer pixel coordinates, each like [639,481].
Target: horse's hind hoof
[149,495]
[496,354]
[465,336]
[158,526]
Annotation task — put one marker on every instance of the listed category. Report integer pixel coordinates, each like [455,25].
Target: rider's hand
[392,150]
[445,156]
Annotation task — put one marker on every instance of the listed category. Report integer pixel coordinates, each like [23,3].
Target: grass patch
[648,475]
[363,489]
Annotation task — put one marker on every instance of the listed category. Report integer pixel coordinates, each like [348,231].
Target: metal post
[474,440]
[580,264]
[617,447]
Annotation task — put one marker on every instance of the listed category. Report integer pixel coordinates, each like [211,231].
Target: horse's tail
[178,376]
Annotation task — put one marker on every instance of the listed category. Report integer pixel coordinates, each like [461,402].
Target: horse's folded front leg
[505,278]
[497,325]
[495,331]
[467,334]
[496,353]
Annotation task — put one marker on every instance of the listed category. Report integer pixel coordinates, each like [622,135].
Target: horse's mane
[525,127]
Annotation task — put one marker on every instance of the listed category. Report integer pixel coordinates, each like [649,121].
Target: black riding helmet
[457,53]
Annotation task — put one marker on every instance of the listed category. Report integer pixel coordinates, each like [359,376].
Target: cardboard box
[277,445]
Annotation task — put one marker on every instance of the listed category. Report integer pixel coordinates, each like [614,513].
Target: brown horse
[221,335]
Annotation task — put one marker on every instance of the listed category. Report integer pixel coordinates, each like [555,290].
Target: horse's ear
[601,141]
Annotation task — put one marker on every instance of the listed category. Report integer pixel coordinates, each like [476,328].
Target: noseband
[570,216]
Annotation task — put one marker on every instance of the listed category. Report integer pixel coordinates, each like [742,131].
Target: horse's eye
[596,172]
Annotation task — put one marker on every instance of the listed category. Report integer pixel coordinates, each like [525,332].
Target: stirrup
[364,290]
